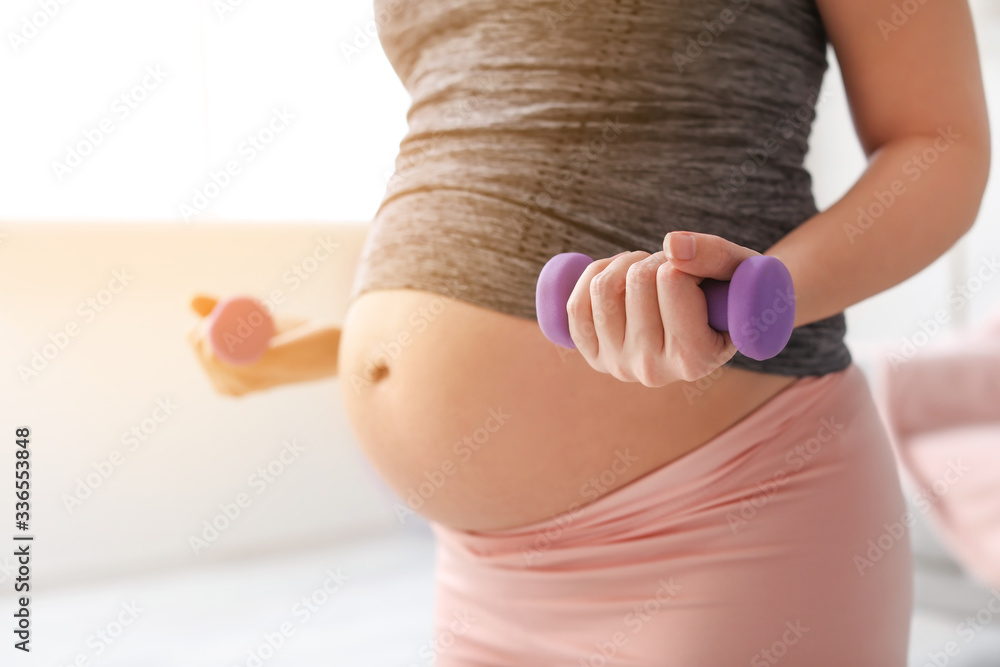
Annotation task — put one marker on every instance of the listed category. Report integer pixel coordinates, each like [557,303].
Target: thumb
[705,255]
[203,305]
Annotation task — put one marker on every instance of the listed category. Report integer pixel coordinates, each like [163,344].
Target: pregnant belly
[479,423]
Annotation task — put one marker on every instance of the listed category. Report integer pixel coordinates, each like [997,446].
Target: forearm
[306,352]
[916,198]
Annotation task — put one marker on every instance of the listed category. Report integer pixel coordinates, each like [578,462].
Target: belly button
[378,372]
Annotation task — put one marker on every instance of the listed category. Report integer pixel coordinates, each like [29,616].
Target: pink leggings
[781,541]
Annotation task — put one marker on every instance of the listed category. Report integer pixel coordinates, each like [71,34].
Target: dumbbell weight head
[555,283]
[761,307]
[239,330]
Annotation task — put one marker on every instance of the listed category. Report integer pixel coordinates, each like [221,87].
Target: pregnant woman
[652,497]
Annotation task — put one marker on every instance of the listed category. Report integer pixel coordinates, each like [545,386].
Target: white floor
[379,616]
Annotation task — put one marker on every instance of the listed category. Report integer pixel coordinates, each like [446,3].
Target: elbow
[974,166]
[975,174]
[963,185]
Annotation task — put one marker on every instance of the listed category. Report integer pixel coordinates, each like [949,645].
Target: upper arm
[909,74]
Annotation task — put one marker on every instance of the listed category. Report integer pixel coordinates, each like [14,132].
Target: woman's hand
[643,318]
[270,370]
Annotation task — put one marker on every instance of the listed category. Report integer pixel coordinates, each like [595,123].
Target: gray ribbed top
[595,126]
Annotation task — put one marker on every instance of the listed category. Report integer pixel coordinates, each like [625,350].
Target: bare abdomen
[479,423]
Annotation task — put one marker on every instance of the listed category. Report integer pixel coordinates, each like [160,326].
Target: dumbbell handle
[756,307]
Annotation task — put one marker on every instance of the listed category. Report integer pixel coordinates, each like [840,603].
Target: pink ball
[240,330]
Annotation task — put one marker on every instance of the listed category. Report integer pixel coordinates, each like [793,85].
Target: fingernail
[680,246]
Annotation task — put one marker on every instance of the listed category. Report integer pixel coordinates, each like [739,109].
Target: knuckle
[606,291]
[643,375]
[668,275]
[639,275]
[585,327]
[620,374]
[577,309]
[612,365]
[603,284]
[688,371]
[649,369]
[638,257]
[594,362]
[687,376]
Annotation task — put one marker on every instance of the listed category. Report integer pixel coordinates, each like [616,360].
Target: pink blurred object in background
[239,330]
[942,409]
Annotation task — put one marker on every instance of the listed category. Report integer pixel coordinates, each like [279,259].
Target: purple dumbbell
[756,307]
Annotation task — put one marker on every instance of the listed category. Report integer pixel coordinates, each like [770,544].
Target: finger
[580,311]
[643,321]
[203,305]
[698,348]
[705,255]
[607,296]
